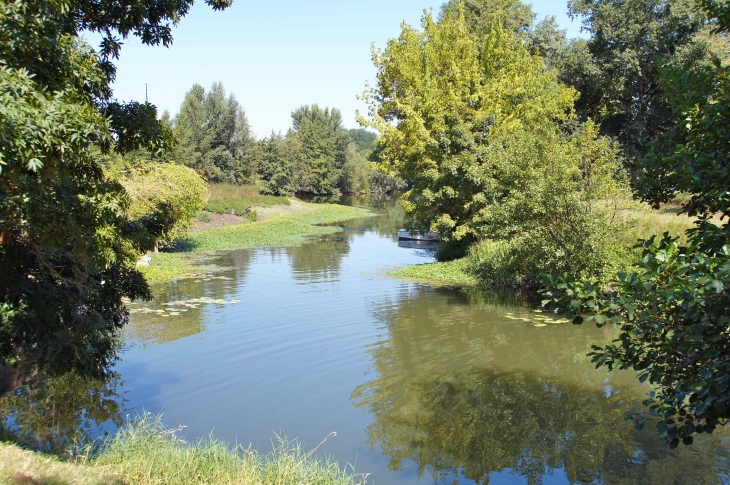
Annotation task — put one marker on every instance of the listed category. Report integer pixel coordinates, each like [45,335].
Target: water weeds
[174,308]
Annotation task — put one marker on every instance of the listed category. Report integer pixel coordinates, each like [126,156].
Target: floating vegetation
[175,308]
[537,320]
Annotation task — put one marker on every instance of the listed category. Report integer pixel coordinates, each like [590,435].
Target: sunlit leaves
[475,125]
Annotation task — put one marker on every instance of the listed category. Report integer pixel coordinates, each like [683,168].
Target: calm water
[421,385]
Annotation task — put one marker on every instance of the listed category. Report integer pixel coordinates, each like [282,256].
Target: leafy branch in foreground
[67,243]
[674,332]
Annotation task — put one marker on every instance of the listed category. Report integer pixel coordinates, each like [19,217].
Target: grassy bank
[450,273]
[143,453]
[643,222]
[235,199]
[288,230]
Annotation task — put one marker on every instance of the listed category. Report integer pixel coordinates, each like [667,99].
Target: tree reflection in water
[53,413]
[466,394]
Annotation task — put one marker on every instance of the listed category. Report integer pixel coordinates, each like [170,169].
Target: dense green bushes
[155,186]
[488,155]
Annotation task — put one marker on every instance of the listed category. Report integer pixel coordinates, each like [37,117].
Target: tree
[475,126]
[67,248]
[674,310]
[323,144]
[215,137]
[480,15]
[617,70]
[364,139]
[277,166]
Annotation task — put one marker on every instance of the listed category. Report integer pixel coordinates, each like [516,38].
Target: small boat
[413,244]
[405,235]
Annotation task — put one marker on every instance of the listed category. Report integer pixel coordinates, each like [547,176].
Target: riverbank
[301,221]
[468,271]
[144,452]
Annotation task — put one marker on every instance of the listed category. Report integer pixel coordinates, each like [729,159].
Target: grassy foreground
[289,230]
[143,453]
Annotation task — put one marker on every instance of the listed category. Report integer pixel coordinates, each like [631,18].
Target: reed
[236,199]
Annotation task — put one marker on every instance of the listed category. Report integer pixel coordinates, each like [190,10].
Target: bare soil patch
[218,220]
[262,213]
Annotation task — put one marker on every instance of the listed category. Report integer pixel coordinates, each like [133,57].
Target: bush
[154,185]
[203,217]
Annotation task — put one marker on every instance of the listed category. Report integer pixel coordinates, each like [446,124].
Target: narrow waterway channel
[420,384]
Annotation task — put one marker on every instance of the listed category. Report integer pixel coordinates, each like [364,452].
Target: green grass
[450,273]
[143,452]
[643,223]
[291,230]
[230,198]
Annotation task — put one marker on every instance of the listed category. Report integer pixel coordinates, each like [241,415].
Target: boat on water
[406,235]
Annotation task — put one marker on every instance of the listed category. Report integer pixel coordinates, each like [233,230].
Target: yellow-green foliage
[150,185]
[476,127]
[444,103]
[281,231]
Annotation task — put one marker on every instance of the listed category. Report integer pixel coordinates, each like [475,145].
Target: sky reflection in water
[421,384]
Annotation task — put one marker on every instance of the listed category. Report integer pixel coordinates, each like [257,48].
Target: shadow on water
[324,263]
[171,315]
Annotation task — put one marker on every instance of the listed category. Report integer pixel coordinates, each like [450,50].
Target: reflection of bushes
[476,422]
[52,413]
[459,389]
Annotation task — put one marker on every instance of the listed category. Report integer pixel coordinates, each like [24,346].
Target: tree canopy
[475,126]
[618,69]
[215,138]
[67,247]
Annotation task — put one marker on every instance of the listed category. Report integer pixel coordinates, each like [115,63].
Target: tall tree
[67,248]
[324,143]
[617,70]
[215,137]
[482,15]
[474,125]
[674,311]
[277,166]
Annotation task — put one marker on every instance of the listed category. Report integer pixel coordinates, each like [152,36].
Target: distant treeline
[316,156]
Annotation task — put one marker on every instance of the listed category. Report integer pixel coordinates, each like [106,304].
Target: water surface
[421,384]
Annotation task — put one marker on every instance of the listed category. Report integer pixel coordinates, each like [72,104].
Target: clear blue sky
[277,55]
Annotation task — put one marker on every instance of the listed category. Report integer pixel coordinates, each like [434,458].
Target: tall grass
[144,452]
[231,198]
